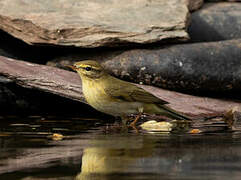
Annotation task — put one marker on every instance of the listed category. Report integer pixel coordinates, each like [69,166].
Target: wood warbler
[116,97]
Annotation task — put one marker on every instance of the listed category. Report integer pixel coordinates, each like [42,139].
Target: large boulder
[216,22]
[212,67]
[91,23]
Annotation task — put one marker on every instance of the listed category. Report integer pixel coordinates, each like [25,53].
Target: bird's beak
[72,67]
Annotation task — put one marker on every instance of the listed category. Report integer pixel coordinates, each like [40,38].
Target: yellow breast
[96,96]
[94,93]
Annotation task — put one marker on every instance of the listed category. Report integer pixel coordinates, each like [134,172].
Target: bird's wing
[132,93]
[143,96]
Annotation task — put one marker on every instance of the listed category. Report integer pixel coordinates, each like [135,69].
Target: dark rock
[91,23]
[199,67]
[68,84]
[216,22]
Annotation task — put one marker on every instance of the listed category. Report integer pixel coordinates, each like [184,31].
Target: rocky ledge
[95,23]
[68,84]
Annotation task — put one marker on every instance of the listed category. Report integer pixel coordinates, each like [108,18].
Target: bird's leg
[133,124]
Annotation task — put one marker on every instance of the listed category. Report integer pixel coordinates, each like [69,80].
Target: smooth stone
[216,22]
[211,68]
[154,126]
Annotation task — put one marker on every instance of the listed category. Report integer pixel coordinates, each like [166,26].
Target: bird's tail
[173,114]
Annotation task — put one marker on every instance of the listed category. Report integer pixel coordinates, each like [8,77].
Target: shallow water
[90,150]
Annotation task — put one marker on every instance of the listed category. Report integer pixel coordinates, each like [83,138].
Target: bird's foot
[135,128]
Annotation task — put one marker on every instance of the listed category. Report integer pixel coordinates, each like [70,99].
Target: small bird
[119,98]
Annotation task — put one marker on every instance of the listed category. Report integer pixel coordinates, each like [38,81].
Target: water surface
[91,150]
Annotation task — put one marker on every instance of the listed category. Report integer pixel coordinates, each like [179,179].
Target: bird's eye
[88,68]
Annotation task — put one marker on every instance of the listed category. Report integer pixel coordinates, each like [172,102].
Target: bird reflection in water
[107,157]
[130,157]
